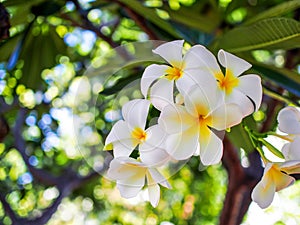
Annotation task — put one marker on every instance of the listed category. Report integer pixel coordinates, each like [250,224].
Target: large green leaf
[277,10]
[151,15]
[39,53]
[287,79]
[273,33]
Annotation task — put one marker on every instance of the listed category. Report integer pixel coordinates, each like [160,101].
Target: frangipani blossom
[131,174]
[276,177]
[127,134]
[289,120]
[190,126]
[243,90]
[178,72]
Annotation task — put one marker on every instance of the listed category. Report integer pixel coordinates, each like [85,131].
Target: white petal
[263,195]
[128,191]
[211,150]
[226,116]
[123,168]
[291,151]
[183,145]
[158,178]
[233,63]
[193,77]
[202,99]
[201,58]
[171,52]
[175,119]
[289,120]
[244,103]
[154,194]
[152,151]
[291,167]
[119,131]
[251,86]
[161,93]
[135,113]
[124,148]
[151,73]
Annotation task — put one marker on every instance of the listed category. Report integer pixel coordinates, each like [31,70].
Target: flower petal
[128,191]
[171,52]
[152,151]
[119,131]
[263,195]
[122,168]
[154,194]
[244,103]
[193,77]
[151,73]
[124,147]
[226,116]
[202,99]
[291,167]
[211,149]
[175,119]
[289,120]
[235,64]
[291,150]
[251,86]
[158,178]
[161,93]
[201,58]
[183,145]
[135,113]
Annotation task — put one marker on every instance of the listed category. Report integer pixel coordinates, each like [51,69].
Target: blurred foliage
[61,62]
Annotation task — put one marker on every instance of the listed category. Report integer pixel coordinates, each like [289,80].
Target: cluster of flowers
[196,101]
[276,174]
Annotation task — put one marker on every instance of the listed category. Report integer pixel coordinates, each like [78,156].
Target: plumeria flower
[244,90]
[131,174]
[289,120]
[127,134]
[177,71]
[276,177]
[190,126]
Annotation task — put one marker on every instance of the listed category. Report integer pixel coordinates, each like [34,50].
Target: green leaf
[39,53]
[277,10]
[151,15]
[7,47]
[285,78]
[271,148]
[193,19]
[239,137]
[274,33]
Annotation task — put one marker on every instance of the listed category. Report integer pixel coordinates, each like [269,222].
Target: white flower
[190,126]
[244,90]
[177,71]
[131,174]
[127,134]
[276,177]
[289,120]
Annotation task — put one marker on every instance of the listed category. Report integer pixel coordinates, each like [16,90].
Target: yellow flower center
[227,82]
[204,123]
[139,134]
[174,73]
